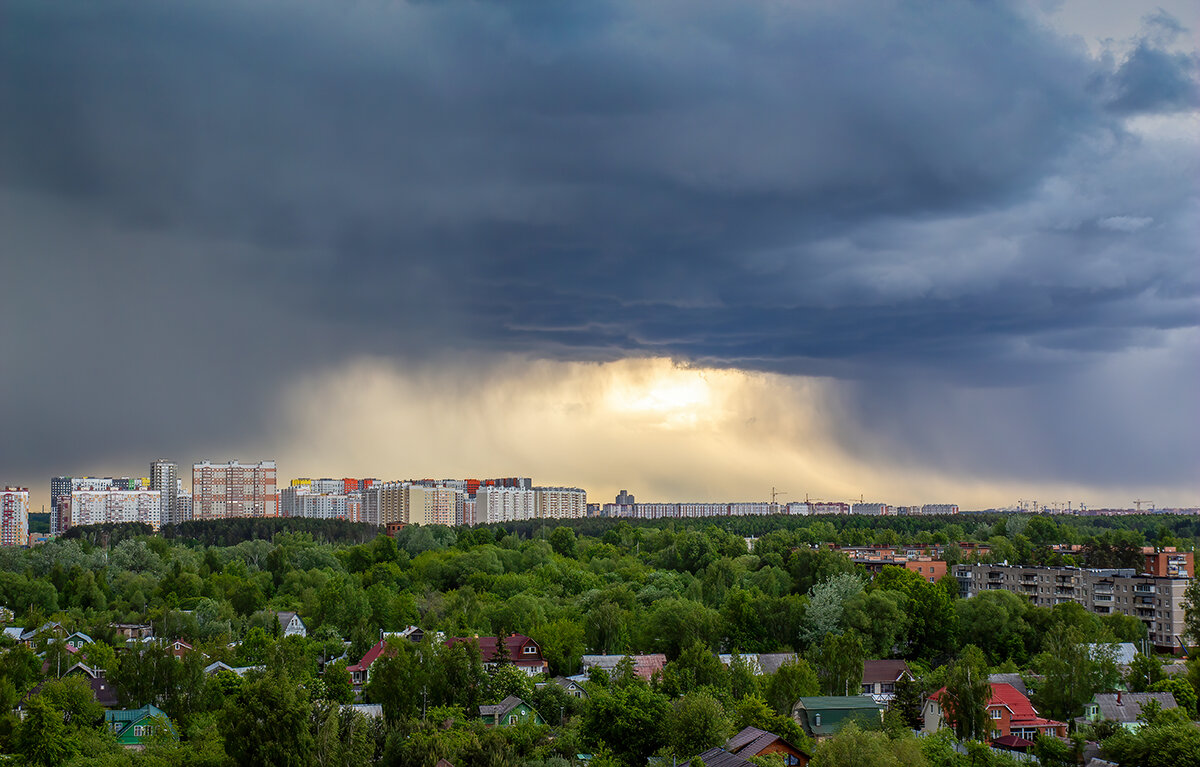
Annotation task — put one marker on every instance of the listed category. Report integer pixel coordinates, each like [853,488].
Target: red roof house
[523,652]
[1010,713]
[361,671]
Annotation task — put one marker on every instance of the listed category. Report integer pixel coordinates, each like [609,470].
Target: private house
[719,757]
[570,686]
[1014,721]
[360,672]
[523,652]
[77,640]
[137,631]
[755,742]
[880,677]
[28,638]
[291,625]
[823,715]
[217,667]
[761,663]
[102,691]
[179,648]
[134,727]
[508,712]
[6,615]
[644,666]
[1125,708]
[413,634]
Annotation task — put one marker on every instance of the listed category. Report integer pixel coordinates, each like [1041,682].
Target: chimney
[1118,697]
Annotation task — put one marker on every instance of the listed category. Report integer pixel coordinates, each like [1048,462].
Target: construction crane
[1138,503]
[776,493]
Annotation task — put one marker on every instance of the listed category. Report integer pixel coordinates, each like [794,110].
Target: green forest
[684,588]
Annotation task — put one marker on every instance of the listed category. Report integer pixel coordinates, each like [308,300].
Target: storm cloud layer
[986,233]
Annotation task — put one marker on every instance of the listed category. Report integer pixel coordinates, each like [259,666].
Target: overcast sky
[914,252]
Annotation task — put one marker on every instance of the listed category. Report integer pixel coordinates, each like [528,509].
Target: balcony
[1144,588]
[995,575]
[1102,597]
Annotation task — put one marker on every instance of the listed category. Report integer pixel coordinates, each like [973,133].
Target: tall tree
[966,695]
[267,723]
[839,663]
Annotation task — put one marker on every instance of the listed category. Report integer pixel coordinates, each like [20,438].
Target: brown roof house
[880,676]
[755,742]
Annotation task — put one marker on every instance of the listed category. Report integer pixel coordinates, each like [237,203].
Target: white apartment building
[14,516]
[98,507]
[504,504]
[940,508]
[437,505]
[560,502]
[872,509]
[303,501]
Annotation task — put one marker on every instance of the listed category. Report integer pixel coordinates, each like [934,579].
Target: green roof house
[133,727]
[822,716]
[512,710]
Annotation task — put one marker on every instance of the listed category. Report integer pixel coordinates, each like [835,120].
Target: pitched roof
[1013,679]
[501,709]
[1023,714]
[643,665]
[770,662]
[371,656]
[514,644]
[719,757]
[838,702]
[751,741]
[884,670]
[1130,707]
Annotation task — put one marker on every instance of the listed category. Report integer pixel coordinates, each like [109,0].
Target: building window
[512,719]
[529,650]
[995,734]
[816,720]
[996,713]
[868,689]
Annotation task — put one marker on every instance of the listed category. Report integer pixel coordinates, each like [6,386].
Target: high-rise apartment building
[504,504]
[228,490]
[304,501]
[164,477]
[386,503]
[14,516]
[437,505]
[560,502]
[113,506]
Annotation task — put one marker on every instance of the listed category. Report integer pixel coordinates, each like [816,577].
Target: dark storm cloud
[806,189]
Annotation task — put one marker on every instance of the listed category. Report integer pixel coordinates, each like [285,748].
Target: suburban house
[719,757]
[823,715]
[761,663]
[1125,708]
[523,652]
[570,686]
[290,625]
[137,631]
[411,633]
[755,742]
[360,672]
[644,666]
[880,676]
[217,667]
[179,648]
[1014,721]
[102,691]
[27,638]
[134,727]
[508,712]
[77,640]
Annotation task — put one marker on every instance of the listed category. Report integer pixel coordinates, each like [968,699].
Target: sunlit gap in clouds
[664,431]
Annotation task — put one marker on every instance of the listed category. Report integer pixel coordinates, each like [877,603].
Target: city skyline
[695,251]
